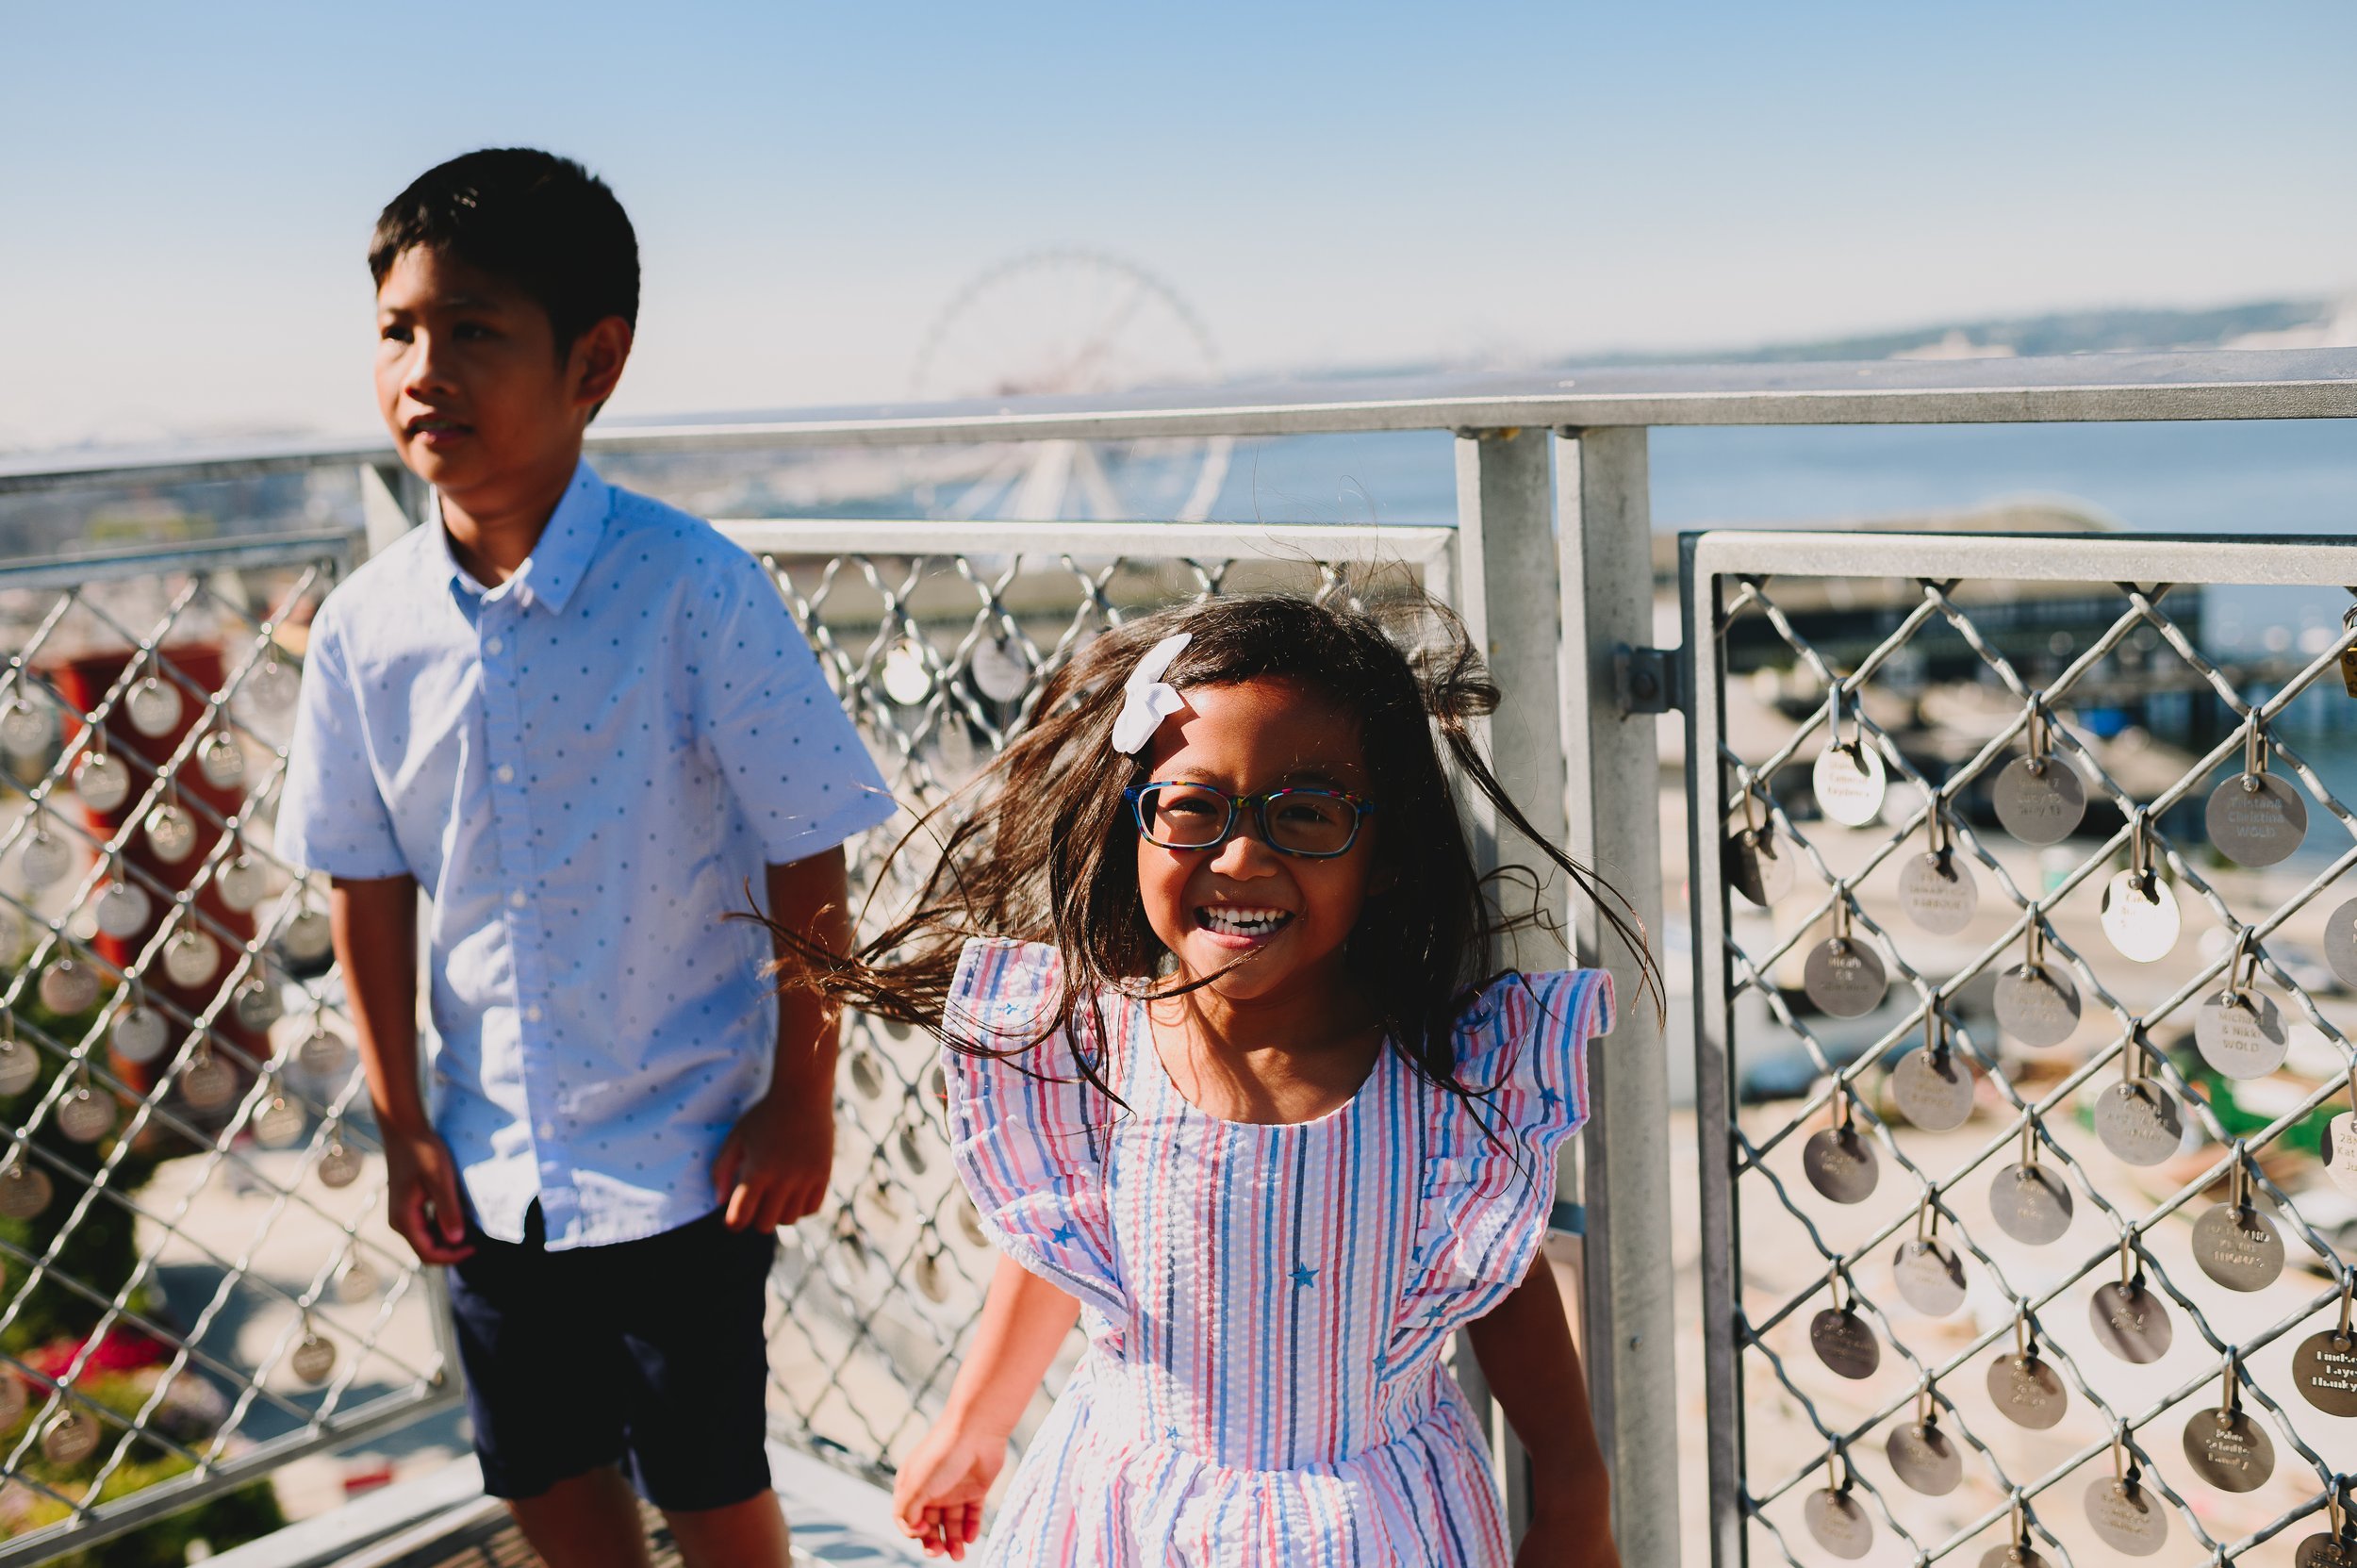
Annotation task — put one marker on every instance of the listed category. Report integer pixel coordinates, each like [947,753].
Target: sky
[186,191]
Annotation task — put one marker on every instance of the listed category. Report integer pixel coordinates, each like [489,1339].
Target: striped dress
[1265,1306]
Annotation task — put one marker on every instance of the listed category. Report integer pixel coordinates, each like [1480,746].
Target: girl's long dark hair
[1042,847]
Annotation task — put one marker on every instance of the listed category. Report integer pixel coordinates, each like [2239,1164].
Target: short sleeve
[792,759]
[331,816]
[1027,1132]
[1483,1209]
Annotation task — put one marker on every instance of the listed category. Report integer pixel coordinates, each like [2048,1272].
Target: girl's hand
[938,1497]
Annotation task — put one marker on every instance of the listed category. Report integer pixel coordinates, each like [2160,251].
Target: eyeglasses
[1318,824]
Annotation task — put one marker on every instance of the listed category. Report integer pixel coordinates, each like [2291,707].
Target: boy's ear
[595,365]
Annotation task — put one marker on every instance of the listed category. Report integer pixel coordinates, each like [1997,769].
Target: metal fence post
[1508,597]
[1615,828]
[393,501]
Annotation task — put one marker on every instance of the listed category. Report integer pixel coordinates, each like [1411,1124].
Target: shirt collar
[556,565]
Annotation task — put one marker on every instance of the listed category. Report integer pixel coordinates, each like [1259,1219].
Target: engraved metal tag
[1848,783]
[865,1076]
[2140,916]
[339,1165]
[2323,1550]
[2324,1369]
[123,910]
[1844,1342]
[313,1358]
[68,985]
[272,685]
[307,936]
[25,730]
[222,760]
[102,780]
[323,1051]
[257,1004]
[1938,892]
[1838,1523]
[19,1064]
[46,859]
[2012,1557]
[357,1282]
[999,672]
[243,882]
[154,707]
[1934,1089]
[85,1116]
[2130,1321]
[2340,1151]
[278,1123]
[2241,1035]
[2139,1121]
[2238,1247]
[140,1034]
[1844,978]
[2037,1004]
[171,832]
[2256,818]
[1930,1276]
[1921,1456]
[190,958]
[2030,1203]
[2228,1450]
[2039,804]
[70,1438]
[2340,942]
[1841,1164]
[1758,865]
[207,1083]
[2026,1391]
[2129,1518]
[24,1191]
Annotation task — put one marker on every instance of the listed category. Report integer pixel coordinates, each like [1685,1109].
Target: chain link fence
[2025,951]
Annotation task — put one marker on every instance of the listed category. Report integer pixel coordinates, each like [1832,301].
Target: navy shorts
[648,1353]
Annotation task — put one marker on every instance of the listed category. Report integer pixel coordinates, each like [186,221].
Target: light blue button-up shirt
[582,767]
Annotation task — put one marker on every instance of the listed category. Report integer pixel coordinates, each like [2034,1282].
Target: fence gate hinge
[1648,679]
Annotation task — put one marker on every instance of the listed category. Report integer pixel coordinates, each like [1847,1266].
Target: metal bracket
[1648,679]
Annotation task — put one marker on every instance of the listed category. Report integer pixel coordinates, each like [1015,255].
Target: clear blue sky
[185,190]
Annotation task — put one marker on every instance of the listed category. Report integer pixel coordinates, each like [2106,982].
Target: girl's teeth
[1239,923]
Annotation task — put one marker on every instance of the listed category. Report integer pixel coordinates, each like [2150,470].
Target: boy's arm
[1525,1350]
[774,1167]
[376,922]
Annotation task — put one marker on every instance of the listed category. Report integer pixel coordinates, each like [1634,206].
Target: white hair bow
[1146,701]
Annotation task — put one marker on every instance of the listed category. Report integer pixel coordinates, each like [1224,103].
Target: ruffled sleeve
[1027,1132]
[1482,1211]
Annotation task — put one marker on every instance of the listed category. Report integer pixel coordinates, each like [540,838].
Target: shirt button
[532,1012]
[507,774]
[494,646]
[516,899]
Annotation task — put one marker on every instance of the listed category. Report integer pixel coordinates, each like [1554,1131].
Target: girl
[1226,1081]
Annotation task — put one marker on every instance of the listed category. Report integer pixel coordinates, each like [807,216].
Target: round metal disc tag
[2043,806]
[2129,1322]
[2256,818]
[257,1005]
[19,1064]
[140,1034]
[307,936]
[1921,1456]
[2340,1151]
[2037,1004]
[68,985]
[969,1220]
[2030,1203]
[154,707]
[190,958]
[278,1123]
[2027,1391]
[1758,865]
[1930,1276]
[24,1191]
[1841,1164]
[339,1165]
[86,1115]
[2239,1247]
[1848,783]
[2012,1557]
[2242,1036]
[323,1051]
[1934,1090]
[223,761]
[46,859]
[2322,1550]
[70,1438]
[313,1358]
[272,685]
[865,1076]
[2228,1450]
[1844,1342]
[1938,893]
[24,731]
[2324,1369]
[2139,1121]
[2129,1518]
[243,883]
[357,1282]
[1838,1523]
[2340,942]
[999,673]
[122,911]
[171,832]
[1844,978]
[2140,916]
[208,1082]
[932,1278]
[101,781]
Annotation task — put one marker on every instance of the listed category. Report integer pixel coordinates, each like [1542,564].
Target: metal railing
[935,633]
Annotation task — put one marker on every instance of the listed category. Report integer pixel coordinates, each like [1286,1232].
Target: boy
[583,721]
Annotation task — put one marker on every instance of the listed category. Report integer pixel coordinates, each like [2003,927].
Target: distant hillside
[2282,322]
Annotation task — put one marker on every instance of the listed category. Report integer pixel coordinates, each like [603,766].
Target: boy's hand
[421,1186]
[938,1496]
[774,1166]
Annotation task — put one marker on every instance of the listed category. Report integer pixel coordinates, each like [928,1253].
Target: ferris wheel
[1069,321]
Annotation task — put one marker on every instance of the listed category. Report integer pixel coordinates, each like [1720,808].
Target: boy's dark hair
[1046,853]
[543,222]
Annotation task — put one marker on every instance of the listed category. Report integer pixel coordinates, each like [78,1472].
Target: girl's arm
[1525,1350]
[938,1497]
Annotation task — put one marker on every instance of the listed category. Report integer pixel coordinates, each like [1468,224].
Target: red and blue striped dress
[1266,1306]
